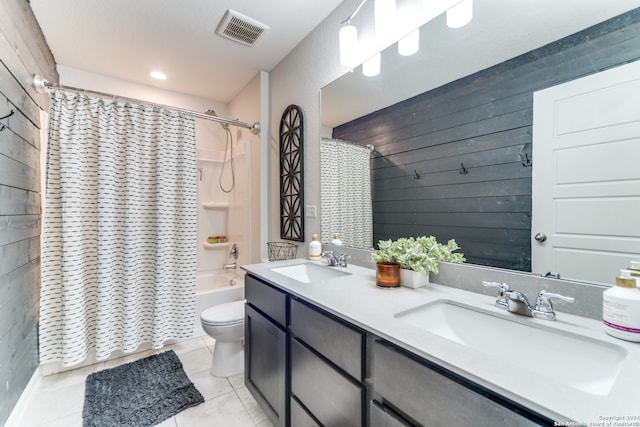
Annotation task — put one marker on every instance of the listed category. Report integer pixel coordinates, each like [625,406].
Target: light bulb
[348,39]
[385,19]
[371,67]
[460,14]
[409,44]
[158,75]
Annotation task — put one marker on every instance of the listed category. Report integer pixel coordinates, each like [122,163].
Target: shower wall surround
[20,206]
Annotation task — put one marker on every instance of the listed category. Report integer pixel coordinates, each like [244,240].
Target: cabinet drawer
[339,343]
[380,417]
[300,417]
[267,299]
[433,399]
[331,397]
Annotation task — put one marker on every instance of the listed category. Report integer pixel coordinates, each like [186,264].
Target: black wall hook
[527,162]
[11,113]
[416,175]
[2,126]
[463,171]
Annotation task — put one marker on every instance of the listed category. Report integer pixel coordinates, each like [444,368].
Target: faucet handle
[503,286]
[543,303]
[501,302]
[342,259]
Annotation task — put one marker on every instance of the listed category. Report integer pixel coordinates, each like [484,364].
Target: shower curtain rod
[41,85]
[371,147]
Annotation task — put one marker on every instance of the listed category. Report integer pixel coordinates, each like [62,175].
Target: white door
[586,176]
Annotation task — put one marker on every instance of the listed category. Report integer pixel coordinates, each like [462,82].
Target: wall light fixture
[391,28]
[460,14]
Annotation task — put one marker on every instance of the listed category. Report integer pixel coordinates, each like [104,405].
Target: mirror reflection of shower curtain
[119,240]
[346,193]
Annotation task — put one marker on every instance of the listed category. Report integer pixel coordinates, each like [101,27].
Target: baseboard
[23,403]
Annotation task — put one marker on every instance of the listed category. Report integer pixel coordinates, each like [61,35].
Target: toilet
[225,324]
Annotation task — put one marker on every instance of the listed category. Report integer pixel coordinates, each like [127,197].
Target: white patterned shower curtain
[119,239]
[345,197]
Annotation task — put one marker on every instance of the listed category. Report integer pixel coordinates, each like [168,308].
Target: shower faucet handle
[233,253]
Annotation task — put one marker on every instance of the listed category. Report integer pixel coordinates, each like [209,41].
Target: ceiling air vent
[240,28]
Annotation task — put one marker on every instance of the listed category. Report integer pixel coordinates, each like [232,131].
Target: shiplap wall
[23,52]
[483,122]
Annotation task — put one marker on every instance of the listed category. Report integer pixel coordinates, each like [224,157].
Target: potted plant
[417,257]
[387,267]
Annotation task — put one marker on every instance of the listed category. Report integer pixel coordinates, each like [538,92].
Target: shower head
[210,112]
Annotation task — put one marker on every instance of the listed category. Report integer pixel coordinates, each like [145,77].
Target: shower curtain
[346,193]
[119,238]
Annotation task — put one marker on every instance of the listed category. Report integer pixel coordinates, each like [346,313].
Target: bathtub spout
[229,266]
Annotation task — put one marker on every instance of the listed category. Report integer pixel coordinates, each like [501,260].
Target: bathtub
[215,287]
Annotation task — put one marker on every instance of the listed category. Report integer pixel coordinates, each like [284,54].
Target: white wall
[314,63]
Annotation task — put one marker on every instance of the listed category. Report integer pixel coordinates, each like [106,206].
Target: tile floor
[58,400]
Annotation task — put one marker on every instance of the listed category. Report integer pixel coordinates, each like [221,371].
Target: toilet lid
[224,314]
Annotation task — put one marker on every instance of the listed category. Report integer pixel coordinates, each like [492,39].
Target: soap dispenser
[315,248]
[634,270]
[621,308]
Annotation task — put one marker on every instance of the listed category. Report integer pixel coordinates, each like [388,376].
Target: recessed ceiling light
[158,75]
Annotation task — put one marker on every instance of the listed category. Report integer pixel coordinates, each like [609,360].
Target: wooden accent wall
[23,52]
[483,122]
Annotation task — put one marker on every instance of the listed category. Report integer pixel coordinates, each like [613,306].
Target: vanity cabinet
[327,367]
[410,389]
[307,367]
[266,348]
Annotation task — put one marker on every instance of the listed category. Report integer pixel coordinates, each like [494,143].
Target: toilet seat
[227,314]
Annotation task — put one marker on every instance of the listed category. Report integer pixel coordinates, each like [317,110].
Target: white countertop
[356,299]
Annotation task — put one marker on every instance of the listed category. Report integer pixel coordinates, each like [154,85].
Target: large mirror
[470,87]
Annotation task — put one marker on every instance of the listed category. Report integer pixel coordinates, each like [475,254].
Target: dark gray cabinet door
[333,398]
[265,364]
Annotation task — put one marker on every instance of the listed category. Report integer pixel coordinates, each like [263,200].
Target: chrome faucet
[233,253]
[340,261]
[517,302]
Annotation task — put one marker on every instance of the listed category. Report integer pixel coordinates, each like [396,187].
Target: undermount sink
[307,272]
[583,363]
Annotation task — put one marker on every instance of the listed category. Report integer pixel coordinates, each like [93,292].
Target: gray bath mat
[137,394]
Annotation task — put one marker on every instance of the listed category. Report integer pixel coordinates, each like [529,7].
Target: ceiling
[127,39]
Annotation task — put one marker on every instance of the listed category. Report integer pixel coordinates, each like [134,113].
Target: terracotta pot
[388,274]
